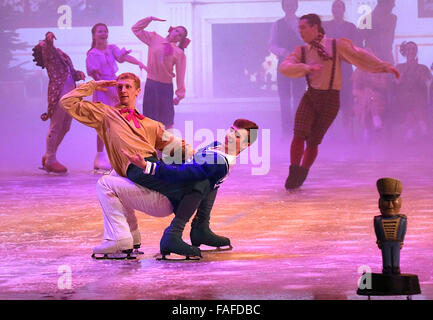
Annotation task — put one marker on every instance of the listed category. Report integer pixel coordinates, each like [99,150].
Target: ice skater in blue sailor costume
[210,165]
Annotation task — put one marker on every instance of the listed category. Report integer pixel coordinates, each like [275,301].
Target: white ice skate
[101,165]
[114,249]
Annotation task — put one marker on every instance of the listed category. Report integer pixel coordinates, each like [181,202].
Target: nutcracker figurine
[390,229]
[390,226]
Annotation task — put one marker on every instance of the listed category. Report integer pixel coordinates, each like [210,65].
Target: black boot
[200,230]
[171,241]
[302,175]
[202,234]
[297,176]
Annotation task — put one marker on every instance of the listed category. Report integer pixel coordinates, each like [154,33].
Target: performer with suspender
[320,104]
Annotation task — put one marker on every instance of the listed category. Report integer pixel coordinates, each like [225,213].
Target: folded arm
[292,67]
[88,113]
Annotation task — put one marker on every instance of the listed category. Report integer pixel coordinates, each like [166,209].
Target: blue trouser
[391,254]
[175,192]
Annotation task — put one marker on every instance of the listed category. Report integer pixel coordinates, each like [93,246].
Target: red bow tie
[132,114]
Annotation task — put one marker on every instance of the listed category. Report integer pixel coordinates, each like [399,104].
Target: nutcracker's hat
[389,188]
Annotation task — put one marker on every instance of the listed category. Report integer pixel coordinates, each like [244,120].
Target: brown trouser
[316,112]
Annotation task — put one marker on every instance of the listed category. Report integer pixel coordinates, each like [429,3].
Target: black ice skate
[297,176]
[172,243]
[202,234]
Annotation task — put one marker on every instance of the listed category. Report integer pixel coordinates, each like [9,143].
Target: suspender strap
[334,61]
[304,60]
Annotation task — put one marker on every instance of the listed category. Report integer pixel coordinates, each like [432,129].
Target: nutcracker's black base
[389,285]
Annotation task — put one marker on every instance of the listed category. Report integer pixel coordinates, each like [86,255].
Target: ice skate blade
[101,171]
[114,256]
[217,249]
[175,257]
[137,252]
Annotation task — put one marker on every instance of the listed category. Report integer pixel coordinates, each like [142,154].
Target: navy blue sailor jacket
[207,163]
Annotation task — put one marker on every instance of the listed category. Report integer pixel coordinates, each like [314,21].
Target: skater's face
[127,92]
[389,206]
[338,9]
[101,33]
[308,32]
[176,34]
[236,140]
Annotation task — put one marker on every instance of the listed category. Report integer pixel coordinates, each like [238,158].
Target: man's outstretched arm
[363,59]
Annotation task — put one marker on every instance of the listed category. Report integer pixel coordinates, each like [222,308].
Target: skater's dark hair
[314,19]
[131,76]
[248,125]
[94,31]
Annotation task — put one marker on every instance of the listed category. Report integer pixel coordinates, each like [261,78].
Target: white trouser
[119,197]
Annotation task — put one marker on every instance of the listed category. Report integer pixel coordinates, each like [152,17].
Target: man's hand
[314,67]
[176,101]
[142,66]
[103,84]
[392,69]
[156,19]
[135,159]
[379,244]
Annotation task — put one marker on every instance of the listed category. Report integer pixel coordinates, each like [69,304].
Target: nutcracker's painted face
[389,205]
